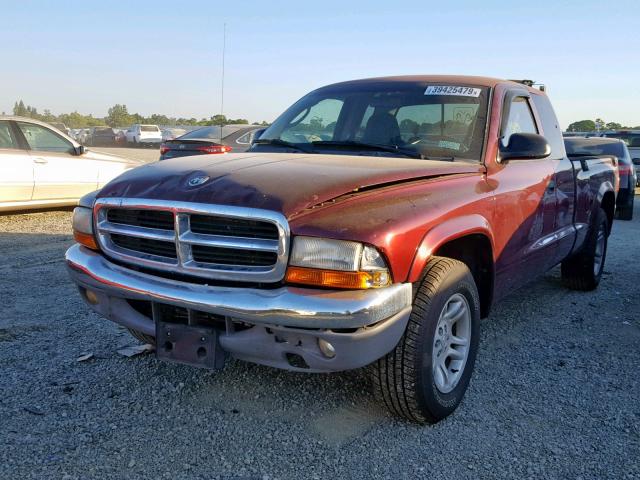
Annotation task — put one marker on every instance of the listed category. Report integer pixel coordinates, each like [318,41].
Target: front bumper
[361,325]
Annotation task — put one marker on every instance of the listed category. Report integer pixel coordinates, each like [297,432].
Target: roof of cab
[447,79]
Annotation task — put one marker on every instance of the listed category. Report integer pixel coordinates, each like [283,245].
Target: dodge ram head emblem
[197,181]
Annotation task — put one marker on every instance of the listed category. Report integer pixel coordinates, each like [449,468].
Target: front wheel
[425,377]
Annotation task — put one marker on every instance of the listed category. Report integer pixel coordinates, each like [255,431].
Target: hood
[283,182]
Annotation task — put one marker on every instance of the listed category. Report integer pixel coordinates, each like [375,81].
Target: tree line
[596,125]
[119,116]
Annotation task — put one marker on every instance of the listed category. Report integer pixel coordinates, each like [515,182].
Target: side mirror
[525,146]
[81,150]
[256,135]
[636,161]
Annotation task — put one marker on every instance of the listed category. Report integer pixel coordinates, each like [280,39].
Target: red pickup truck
[373,224]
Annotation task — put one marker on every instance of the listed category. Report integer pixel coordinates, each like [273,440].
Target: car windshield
[410,118]
[149,128]
[206,132]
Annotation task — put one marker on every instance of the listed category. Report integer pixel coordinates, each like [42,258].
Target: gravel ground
[554,395]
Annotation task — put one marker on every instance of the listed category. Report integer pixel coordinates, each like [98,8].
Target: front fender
[444,232]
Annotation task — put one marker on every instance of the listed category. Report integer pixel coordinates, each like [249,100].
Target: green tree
[118,116]
[582,126]
[19,109]
[158,119]
[613,126]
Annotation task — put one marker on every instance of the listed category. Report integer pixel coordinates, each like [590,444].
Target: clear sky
[165,57]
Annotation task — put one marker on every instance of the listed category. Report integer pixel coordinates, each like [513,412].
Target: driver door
[16,168]
[59,173]
[525,203]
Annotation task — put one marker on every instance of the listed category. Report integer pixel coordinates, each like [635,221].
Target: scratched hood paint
[287,183]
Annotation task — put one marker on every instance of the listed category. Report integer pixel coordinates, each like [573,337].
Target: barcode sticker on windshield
[452,90]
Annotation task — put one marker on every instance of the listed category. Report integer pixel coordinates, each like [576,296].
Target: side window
[315,123]
[520,119]
[7,139]
[42,139]
[550,126]
[246,138]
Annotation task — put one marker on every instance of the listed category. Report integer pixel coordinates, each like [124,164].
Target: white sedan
[42,167]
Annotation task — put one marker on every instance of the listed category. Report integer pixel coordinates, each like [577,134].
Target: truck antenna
[224,47]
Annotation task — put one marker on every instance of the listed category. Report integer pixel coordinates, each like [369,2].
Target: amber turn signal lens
[337,279]
[85,239]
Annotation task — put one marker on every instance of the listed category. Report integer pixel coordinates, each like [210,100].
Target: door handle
[40,160]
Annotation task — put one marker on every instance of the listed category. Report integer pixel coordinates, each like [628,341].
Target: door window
[7,140]
[520,120]
[246,139]
[552,131]
[42,139]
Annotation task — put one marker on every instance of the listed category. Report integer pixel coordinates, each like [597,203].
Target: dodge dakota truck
[373,224]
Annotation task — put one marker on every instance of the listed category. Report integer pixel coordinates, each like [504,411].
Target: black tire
[404,379]
[626,212]
[580,272]
[143,337]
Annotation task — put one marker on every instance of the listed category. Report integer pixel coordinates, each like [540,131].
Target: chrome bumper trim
[285,306]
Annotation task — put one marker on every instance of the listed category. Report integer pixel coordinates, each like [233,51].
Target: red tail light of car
[164,149]
[215,149]
[622,168]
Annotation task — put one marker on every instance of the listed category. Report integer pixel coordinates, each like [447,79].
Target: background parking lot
[555,393]
[144,154]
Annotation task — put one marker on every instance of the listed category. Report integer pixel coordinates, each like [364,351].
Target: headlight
[83,227]
[337,264]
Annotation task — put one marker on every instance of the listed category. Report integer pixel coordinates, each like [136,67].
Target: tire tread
[393,376]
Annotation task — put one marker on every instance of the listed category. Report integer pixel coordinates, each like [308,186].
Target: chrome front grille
[210,241]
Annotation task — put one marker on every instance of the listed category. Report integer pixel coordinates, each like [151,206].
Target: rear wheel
[425,377]
[625,212]
[583,271]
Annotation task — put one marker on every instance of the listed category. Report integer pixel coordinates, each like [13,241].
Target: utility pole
[224,47]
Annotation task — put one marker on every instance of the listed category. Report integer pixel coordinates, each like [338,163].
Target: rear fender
[445,232]
[605,187]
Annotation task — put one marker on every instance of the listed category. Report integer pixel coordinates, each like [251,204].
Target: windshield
[428,120]
[149,128]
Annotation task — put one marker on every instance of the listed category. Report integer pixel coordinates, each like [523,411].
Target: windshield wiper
[281,143]
[368,146]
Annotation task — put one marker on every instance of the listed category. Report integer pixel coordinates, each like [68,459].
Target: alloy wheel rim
[598,256]
[451,343]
